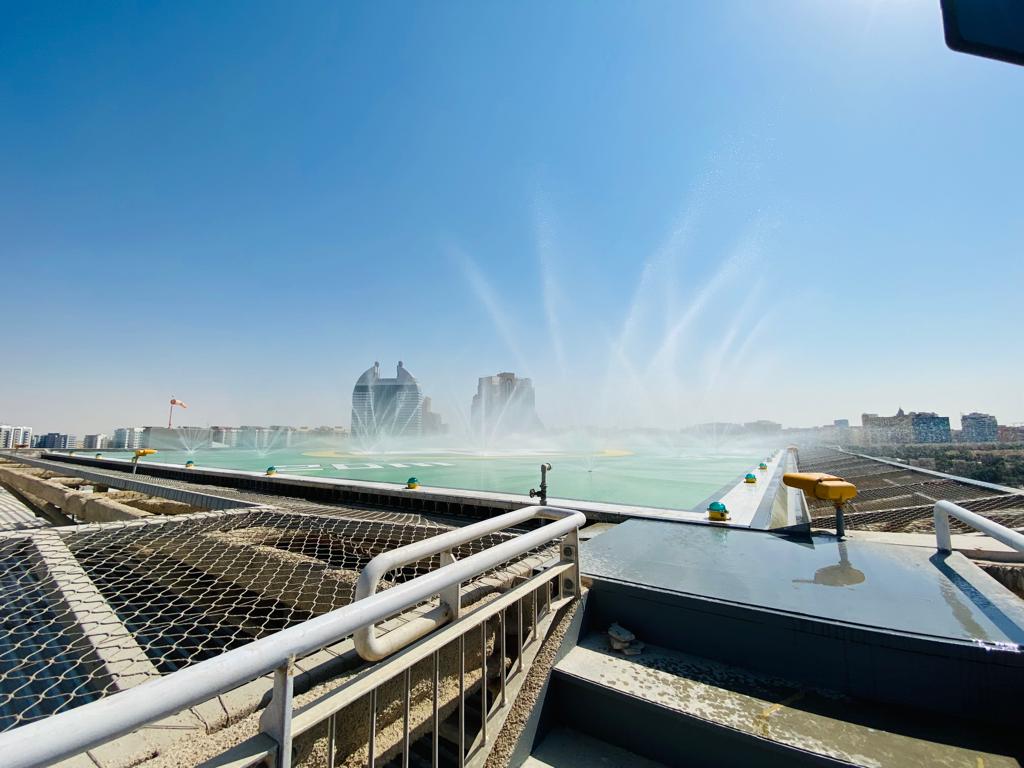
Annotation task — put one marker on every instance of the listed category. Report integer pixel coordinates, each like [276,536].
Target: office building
[13,437]
[503,404]
[979,428]
[127,438]
[95,442]
[385,406]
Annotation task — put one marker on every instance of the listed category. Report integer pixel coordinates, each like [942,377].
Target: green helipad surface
[670,479]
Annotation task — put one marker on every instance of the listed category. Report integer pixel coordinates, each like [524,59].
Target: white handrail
[373,648]
[942,511]
[44,742]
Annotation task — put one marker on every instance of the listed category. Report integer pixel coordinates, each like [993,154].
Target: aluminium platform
[772,649]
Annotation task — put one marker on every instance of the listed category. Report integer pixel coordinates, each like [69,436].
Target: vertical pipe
[462,700]
[483,680]
[840,523]
[519,633]
[371,757]
[501,636]
[407,705]
[943,540]
[531,636]
[276,720]
[437,693]
[332,725]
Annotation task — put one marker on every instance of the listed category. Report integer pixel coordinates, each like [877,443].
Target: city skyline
[896,427]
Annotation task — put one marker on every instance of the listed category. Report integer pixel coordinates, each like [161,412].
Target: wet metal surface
[890,587]
[771,708]
[15,516]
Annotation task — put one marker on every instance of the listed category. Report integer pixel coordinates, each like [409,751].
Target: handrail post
[943,539]
[571,554]
[276,720]
[451,596]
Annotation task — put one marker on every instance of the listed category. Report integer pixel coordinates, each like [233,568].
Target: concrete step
[566,748]
[687,710]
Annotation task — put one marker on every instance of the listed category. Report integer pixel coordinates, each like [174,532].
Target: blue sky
[663,212]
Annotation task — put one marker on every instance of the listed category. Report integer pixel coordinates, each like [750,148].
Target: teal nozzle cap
[716,506]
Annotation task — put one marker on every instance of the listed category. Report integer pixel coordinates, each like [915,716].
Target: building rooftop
[762,641]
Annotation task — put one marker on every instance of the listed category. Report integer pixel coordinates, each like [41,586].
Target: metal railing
[942,512]
[68,733]
[449,724]
[373,648]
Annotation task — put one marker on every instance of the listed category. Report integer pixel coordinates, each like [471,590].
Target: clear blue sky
[663,212]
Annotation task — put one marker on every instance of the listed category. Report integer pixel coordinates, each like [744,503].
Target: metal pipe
[372,648]
[942,511]
[462,700]
[371,744]
[68,733]
[483,680]
[501,652]
[406,710]
[542,494]
[436,719]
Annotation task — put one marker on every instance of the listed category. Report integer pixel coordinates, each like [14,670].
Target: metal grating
[899,500]
[94,609]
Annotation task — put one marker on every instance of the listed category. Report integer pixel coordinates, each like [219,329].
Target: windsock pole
[170,414]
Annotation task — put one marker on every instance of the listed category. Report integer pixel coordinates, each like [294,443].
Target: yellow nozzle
[821,486]
[144,452]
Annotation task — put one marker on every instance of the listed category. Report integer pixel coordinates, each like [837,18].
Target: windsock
[170,411]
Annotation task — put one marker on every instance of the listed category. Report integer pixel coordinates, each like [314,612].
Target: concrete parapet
[93,508]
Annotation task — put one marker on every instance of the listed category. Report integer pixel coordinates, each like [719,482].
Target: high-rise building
[883,430]
[503,404]
[129,438]
[979,428]
[387,406]
[12,437]
[913,427]
[57,441]
[929,428]
[95,442]
[432,423]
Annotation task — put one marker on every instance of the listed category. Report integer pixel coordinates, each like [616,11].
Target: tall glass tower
[387,407]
